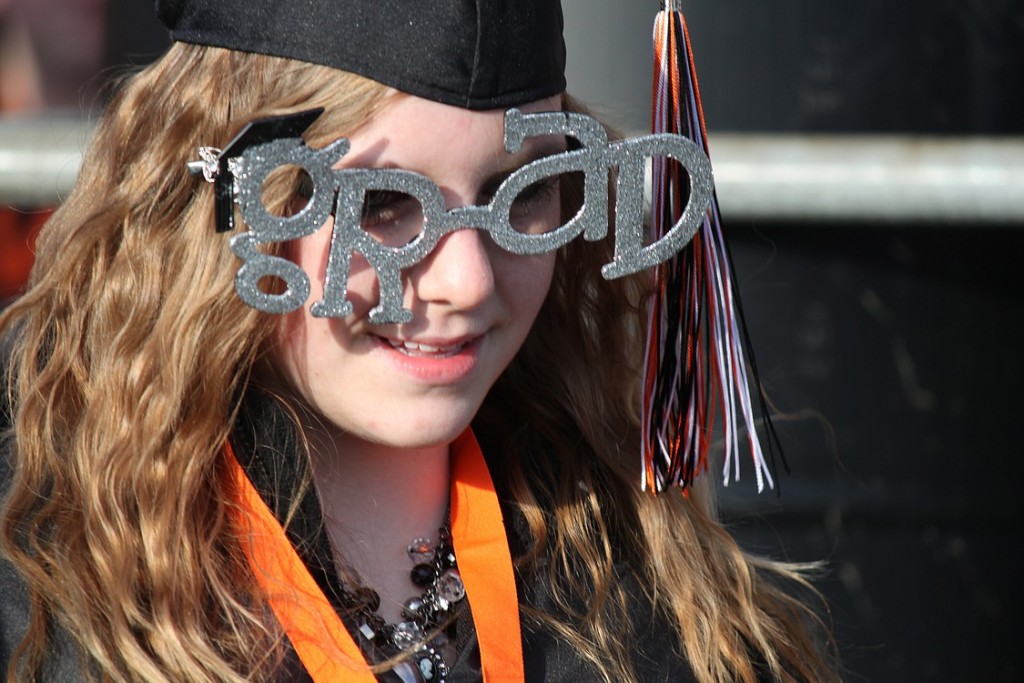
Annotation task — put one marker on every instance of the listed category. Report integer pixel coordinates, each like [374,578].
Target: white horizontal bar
[39,159]
[769,177]
[870,178]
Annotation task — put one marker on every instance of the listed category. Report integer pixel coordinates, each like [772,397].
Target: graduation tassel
[697,348]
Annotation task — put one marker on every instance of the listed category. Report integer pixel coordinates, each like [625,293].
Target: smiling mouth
[409,348]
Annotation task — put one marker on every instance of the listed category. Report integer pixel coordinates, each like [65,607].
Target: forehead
[416,133]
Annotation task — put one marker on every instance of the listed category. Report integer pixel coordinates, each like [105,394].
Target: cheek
[300,337]
[525,281]
[530,276]
[289,354]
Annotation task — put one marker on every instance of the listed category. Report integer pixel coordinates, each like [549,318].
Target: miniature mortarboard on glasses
[488,54]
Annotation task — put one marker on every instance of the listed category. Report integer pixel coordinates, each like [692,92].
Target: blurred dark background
[904,339]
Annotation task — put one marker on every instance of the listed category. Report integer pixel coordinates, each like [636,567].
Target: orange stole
[321,640]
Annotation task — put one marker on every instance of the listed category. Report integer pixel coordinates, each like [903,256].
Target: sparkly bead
[413,608]
[406,633]
[450,586]
[421,550]
[422,575]
[435,572]
[429,609]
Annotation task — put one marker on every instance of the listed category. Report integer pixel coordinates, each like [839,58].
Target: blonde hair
[130,354]
[131,350]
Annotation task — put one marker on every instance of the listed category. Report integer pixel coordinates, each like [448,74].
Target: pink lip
[441,368]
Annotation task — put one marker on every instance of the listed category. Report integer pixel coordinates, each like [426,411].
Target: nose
[457,272]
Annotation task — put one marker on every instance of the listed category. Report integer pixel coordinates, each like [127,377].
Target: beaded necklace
[436,573]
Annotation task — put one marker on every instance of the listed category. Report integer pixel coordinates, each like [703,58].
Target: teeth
[413,347]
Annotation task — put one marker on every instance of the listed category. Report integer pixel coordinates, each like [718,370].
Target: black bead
[413,609]
[423,575]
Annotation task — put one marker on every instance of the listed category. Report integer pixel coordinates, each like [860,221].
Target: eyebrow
[536,148]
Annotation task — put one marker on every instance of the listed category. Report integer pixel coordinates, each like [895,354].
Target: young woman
[197,490]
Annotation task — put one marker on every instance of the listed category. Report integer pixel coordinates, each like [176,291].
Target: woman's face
[420,383]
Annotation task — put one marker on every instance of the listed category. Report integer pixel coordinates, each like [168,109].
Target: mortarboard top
[475,54]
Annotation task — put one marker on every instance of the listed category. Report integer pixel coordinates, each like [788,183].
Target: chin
[414,439]
[408,430]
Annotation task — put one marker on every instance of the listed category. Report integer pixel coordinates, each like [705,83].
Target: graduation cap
[475,54]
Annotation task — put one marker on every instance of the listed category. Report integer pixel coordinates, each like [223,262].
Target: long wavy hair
[129,355]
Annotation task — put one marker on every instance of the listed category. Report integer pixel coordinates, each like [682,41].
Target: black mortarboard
[476,54]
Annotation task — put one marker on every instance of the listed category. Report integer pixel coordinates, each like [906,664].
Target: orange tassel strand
[697,352]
